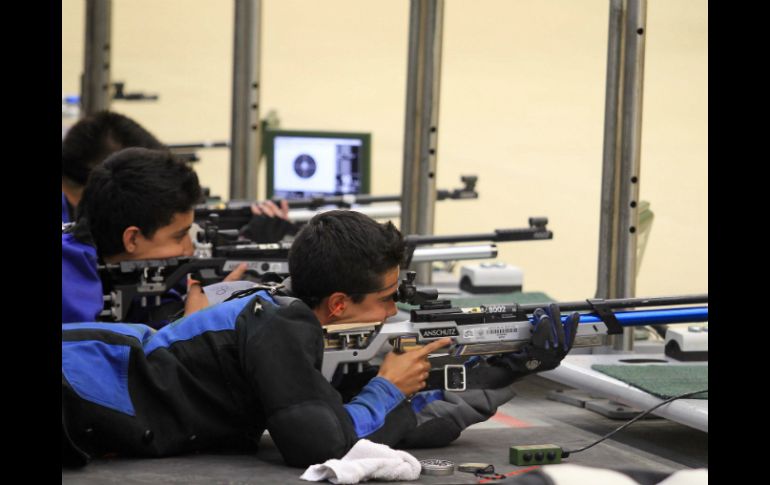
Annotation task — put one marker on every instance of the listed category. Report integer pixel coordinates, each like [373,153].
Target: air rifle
[219,251]
[143,282]
[491,329]
[211,241]
[237,213]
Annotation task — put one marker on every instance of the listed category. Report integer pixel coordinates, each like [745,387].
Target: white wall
[522,107]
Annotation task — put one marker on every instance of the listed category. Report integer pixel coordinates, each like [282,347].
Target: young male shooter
[137,204]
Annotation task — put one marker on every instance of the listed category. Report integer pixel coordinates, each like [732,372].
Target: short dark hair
[344,251]
[92,139]
[135,187]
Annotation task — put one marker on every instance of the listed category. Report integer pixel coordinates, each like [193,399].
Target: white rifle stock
[491,329]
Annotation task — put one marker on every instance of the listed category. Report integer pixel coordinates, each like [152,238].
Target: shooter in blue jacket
[138,204]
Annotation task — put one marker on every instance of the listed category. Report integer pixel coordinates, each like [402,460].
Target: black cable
[565,454]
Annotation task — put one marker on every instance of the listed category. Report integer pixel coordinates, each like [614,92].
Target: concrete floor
[649,444]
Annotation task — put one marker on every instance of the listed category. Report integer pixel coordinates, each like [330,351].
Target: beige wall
[522,103]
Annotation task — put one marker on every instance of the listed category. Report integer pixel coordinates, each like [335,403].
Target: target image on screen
[303,164]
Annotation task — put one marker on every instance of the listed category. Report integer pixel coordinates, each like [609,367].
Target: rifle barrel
[622,303]
[499,235]
[652,317]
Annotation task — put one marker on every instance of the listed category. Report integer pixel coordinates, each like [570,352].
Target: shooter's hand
[196,298]
[409,370]
[269,209]
[237,273]
[270,223]
[551,341]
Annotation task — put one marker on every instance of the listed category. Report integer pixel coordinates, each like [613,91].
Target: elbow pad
[310,433]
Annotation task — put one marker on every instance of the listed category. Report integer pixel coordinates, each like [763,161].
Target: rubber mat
[663,381]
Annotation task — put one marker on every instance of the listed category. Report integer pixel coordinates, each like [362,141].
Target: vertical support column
[621,157]
[95,82]
[418,194]
[246,134]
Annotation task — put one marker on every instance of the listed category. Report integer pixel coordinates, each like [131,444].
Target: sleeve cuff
[369,409]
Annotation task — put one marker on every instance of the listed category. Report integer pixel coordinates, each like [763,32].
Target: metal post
[421,127]
[621,157]
[95,81]
[246,135]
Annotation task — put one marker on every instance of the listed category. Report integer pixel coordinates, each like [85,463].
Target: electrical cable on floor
[566,453]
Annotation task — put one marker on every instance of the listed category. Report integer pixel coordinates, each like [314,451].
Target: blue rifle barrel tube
[650,317]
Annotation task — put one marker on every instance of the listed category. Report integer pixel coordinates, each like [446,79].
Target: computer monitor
[304,164]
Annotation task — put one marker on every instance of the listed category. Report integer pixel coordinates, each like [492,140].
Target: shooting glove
[550,342]
[442,420]
[266,229]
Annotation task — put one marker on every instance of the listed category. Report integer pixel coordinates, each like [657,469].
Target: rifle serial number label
[490,333]
[496,308]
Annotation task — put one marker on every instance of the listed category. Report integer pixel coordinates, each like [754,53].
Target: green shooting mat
[661,380]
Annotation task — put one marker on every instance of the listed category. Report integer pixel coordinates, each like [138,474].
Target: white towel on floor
[366,461]
[698,476]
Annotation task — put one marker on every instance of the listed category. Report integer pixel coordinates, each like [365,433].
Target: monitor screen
[303,164]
